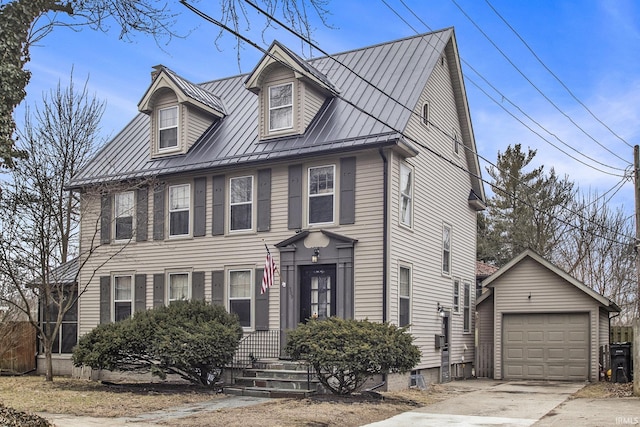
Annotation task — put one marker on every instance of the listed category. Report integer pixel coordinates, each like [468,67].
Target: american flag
[269,273]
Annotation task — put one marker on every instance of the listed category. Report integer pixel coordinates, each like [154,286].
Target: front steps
[275,378]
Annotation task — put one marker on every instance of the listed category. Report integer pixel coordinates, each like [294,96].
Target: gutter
[385,232]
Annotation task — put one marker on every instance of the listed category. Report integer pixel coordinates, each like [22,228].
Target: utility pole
[636,321]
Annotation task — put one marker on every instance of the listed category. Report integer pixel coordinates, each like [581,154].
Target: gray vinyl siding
[432,208]
[154,258]
[197,122]
[485,321]
[603,323]
[549,294]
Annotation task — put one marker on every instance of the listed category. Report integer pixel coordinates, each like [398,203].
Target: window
[168,128]
[241,203]
[456,143]
[404,316]
[446,249]
[67,336]
[466,321]
[406,195]
[425,114]
[281,107]
[321,194]
[122,297]
[179,205]
[124,207]
[240,296]
[178,286]
[456,296]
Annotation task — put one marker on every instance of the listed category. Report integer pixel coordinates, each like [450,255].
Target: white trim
[112,298]
[115,216]
[189,209]
[168,275]
[251,297]
[446,226]
[280,107]
[250,202]
[402,195]
[407,266]
[456,283]
[333,194]
[160,129]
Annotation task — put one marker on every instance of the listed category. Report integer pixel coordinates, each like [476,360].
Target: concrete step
[267,392]
[278,364]
[278,374]
[278,383]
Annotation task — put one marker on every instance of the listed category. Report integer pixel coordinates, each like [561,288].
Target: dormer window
[281,107]
[168,128]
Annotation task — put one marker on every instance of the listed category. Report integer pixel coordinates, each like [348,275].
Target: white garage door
[546,346]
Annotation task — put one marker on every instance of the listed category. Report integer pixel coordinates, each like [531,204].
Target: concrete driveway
[491,403]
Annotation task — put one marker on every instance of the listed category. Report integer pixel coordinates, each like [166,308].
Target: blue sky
[592,47]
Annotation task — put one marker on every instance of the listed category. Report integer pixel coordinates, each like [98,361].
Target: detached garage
[539,323]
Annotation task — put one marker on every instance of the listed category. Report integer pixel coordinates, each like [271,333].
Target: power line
[555,76]
[533,84]
[399,132]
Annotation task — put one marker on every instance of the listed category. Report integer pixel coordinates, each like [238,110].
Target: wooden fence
[17,347]
[621,334]
[484,360]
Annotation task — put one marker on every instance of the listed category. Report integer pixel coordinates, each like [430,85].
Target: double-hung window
[456,296]
[241,203]
[466,313]
[425,114]
[240,295]
[179,207]
[122,297]
[178,286]
[321,194]
[404,316]
[446,249]
[406,195]
[168,128]
[281,107]
[124,208]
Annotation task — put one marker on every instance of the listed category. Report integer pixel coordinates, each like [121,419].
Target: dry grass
[82,397]
[604,389]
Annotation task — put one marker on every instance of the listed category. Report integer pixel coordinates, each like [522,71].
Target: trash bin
[621,365]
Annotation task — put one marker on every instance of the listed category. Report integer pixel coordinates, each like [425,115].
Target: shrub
[192,339]
[345,353]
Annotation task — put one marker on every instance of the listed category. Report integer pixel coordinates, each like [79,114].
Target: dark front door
[317,292]
[445,362]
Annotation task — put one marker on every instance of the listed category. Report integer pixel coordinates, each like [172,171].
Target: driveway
[496,403]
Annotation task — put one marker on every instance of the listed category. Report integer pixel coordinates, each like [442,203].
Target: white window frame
[250,202]
[332,193]
[426,114]
[131,301]
[171,210]
[456,143]
[447,248]
[408,297]
[244,298]
[169,274]
[161,128]
[119,213]
[280,107]
[466,308]
[407,170]
[456,295]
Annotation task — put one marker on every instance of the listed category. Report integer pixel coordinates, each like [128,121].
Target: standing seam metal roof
[399,68]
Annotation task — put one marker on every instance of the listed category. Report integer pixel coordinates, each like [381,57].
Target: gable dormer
[180,112]
[291,92]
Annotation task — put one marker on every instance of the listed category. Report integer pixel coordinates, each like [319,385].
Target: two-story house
[358,171]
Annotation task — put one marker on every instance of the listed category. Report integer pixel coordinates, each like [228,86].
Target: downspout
[385,232]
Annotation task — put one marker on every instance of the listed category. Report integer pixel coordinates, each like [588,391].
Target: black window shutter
[142,213]
[264,200]
[105,299]
[105,219]
[199,205]
[141,292]
[218,205]
[217,288]
[158,212]
[348,190]
[158,290]
[197,285]
[295,197]
[262,303]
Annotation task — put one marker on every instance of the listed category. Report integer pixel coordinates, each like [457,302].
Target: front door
[317,292]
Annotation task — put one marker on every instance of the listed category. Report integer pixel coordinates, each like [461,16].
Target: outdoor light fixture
[440,310]
[316,255]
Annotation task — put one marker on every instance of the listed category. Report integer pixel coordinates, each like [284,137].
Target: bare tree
[39,218]
[24,22]
[595,251]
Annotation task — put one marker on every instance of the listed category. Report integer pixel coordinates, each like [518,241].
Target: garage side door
[546,346]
